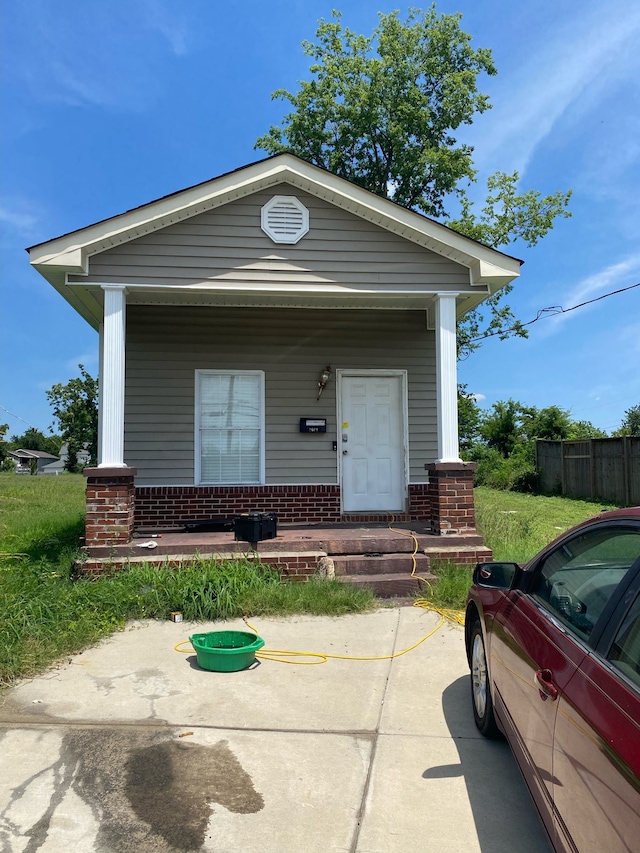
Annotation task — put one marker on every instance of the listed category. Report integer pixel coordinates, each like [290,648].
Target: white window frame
[199,373]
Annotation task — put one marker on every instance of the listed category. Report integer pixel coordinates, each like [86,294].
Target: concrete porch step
[374,563]
[469,554]
[388,585]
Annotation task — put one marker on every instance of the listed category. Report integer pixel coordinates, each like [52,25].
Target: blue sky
[108,105]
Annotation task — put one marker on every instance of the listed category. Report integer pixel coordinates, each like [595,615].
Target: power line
[553,311]
[18,417]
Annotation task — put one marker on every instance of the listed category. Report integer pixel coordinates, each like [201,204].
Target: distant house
[58,467]
[24,459]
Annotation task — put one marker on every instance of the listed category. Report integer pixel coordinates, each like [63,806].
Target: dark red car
[554,652]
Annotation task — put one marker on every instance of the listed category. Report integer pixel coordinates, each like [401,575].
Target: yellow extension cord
[281,655]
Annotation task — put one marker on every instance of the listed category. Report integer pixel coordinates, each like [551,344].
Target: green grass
[516,526]
[48,615]
[450,591]
[40,516]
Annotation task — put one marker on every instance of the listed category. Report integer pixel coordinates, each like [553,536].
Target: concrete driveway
[130,746]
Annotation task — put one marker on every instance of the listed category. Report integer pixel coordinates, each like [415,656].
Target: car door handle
[546,687]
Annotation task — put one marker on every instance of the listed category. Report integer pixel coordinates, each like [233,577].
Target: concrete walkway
[130,746]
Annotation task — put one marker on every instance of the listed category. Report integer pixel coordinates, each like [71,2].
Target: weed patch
[516,526]
[449,591]
[46,614]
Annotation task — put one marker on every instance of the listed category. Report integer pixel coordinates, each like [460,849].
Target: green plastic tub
[226,651]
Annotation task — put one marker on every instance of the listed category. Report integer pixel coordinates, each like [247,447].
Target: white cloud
[99,54]
[88,360]
[624,273]
[21,221]
[167,24]
[610,278]
[19,218]
[577,60]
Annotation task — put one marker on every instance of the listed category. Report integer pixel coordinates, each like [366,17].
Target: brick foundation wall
[167,505]
[110,502]
[419,502]
[451,492]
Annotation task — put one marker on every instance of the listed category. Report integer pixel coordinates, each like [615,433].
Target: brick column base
[451,491]
[111,499]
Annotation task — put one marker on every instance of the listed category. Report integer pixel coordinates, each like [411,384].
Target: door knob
[344,452]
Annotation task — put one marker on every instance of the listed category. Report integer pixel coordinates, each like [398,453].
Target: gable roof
[69,254]
[31,454]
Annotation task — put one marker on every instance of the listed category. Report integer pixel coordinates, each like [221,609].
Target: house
[276,339]
[26,460]
[58,467]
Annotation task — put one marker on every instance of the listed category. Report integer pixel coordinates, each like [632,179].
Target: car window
[625,650]
[577,579]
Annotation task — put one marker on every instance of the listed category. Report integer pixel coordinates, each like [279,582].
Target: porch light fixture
[324,378]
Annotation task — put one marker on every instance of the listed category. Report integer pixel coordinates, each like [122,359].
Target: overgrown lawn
[47,614]
[516,526]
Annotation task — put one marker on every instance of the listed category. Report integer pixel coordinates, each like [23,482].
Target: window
[576,581]
[230,426]
[625,651]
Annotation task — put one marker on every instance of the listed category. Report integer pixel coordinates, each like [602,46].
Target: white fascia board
[407,223]
[484,272]
[279,295]
[278,286]
[76,247]
[156,215]
[73,261]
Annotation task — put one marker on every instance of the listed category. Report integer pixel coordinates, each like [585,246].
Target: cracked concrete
[131,747]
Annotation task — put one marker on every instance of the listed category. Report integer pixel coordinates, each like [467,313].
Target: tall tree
[469,419]
[631,422]
[502,429]
[4,429]
[75,407]
[382,110]
[34,439]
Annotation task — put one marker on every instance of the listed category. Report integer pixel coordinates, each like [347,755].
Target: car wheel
[480,690]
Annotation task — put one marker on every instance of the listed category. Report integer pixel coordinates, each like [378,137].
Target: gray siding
[165,346]
[228,245]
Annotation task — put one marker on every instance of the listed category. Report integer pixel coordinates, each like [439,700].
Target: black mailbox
[253,527]
[313,424]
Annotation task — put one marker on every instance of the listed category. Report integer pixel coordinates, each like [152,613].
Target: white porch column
[447,378]
[100,383]
[111,451]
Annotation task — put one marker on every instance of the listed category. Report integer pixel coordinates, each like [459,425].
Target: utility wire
[553,311]
[18,417]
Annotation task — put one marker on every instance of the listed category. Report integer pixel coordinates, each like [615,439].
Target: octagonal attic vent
[285,219]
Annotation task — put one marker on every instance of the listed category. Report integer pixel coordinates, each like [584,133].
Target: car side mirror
[495,575]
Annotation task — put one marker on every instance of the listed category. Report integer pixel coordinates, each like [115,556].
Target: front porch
[385,551]
[384,556]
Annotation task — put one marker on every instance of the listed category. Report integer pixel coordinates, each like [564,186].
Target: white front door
[372,441]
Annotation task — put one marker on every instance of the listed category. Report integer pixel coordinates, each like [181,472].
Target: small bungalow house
[59,466]
[276,339]
[31,461]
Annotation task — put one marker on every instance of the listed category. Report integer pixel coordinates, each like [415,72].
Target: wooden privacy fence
[607,468]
